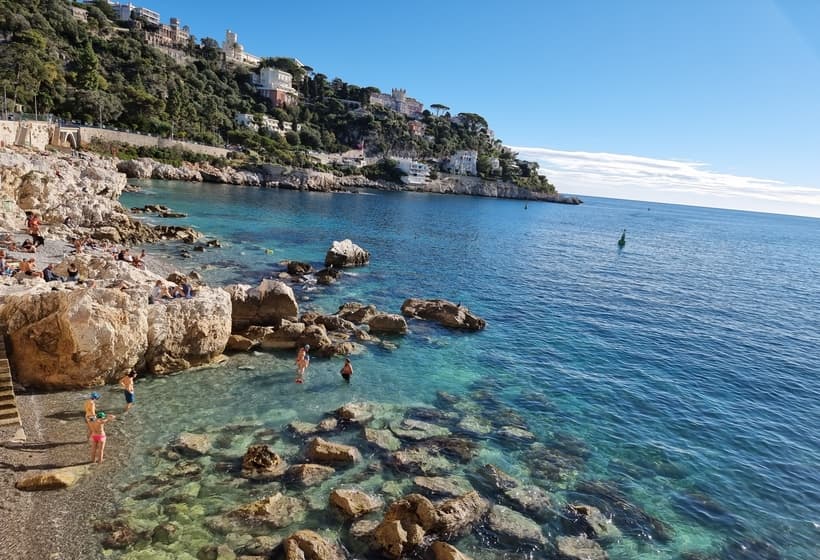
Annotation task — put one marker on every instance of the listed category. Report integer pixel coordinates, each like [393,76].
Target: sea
[674,383]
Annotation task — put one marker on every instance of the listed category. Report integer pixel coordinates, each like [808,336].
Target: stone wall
[38,135]
[87,135]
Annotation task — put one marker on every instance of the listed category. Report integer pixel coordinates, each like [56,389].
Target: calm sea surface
[680,374]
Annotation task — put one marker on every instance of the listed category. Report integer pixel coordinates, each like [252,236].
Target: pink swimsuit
[98,437]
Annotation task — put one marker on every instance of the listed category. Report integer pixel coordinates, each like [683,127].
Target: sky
[703,102]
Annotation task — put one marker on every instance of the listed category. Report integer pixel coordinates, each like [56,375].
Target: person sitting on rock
[4,266]
[50,276]
[29,268]
[125,255]
[159,292]
[73,273]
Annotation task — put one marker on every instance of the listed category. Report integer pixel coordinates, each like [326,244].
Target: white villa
[235,52]
[462,162]
[416,173]
[276,85]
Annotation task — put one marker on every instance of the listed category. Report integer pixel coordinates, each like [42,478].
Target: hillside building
[462,162]
[416,173]
[276,85]
[399,102]
[234,51]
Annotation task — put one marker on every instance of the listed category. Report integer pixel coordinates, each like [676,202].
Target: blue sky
[724,94]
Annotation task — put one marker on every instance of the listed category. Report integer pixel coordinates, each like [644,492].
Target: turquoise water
[680,372]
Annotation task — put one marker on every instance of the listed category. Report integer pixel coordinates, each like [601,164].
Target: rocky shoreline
[279,176]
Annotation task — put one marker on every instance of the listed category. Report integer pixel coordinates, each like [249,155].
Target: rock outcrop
[309,545]
[446,313]
[267,304]
[345,254]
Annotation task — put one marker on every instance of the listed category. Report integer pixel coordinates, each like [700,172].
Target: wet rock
[443,486]
[419,460]
[296,268]
[383,439]
[475,426]
[513,528]
[625,514]
[443,551]
[239,343]
[302,429]
[261,463]
[265,305]
[530,500]
[323,451]
[387,323]
[165,533]
[353,502]
[497,478]
[514,435]
[55,479]
[444,312]
[551,464]
[357,313]
[216,552]
[275,511]
[184,469]
[335,323]
[362,530]
[346,254]
[390,538]
[455,448]
[309,545]
[191,445]
[356,412]
[416,430]
[309,474]
[329,424]
[588,520]
[119,534]
[260,546]
[580,548]
[285,336]
[457,516]
[328,276]
[404,525]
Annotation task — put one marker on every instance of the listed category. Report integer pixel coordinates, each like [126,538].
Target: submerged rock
[580,548]
[513,528]
[416,430]
[356,312]
[308,474]
[443,486]
[383,439]
[530,500]
[419,460]
[444,312]
[356,412]
[191,445]
[457,516]
[275,511]
[581,518]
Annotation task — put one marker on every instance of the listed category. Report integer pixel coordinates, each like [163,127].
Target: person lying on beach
[97,428]
[26,247]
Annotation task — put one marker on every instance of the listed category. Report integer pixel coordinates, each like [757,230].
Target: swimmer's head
[94,396]
[101,415]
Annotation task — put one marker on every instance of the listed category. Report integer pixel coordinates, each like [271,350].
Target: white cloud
[664,180]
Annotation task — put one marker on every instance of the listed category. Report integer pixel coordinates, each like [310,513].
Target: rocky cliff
[279,176]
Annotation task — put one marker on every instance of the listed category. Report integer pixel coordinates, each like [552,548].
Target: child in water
[347,370]
[302,362]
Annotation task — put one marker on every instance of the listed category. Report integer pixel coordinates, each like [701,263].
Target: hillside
[102,70]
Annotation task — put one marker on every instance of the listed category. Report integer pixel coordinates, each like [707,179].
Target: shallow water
[681,371]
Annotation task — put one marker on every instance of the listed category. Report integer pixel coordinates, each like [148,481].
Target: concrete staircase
[8,404]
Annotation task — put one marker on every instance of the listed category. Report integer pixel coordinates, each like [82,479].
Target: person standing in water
[97,426]
[90,410]
[127,383]
[302,362]
[347,370]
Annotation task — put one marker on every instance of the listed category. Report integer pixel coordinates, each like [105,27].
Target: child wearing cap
[90,409]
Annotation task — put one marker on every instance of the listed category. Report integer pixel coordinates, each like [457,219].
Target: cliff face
[476,186]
